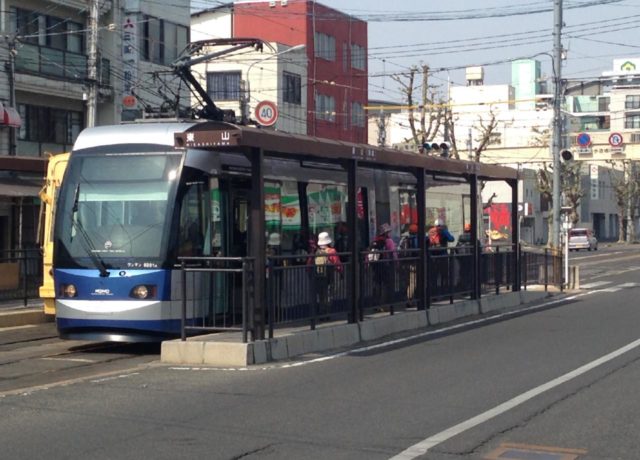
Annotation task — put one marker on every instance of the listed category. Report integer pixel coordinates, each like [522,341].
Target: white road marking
[13,328]
[628,285]
[73,360]
[422,447]
[594,284]
[390,342]
[610,289]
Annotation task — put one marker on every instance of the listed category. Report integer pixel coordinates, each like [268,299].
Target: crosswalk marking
[595,284]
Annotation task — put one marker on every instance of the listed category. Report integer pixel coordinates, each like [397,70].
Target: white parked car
[582,238]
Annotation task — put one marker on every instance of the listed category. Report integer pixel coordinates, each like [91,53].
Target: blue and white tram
[113,234]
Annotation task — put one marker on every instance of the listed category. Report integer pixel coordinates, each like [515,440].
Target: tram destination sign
[207,138]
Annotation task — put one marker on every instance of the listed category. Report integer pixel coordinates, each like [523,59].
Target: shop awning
[11,117]
[15,188]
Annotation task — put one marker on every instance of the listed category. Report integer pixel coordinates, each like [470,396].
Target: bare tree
[428,114]
[627,195]
[486,129]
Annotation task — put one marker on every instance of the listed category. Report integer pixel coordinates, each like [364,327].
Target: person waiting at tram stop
[383,256]
[439,237]
[274,276]
[409,268]
[327,267]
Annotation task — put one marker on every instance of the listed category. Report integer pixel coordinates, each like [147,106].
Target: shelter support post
[515,238]
[257,315]
[473,211]
[421,204]
[352,224]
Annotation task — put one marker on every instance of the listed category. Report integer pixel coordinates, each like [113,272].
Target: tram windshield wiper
[85,241]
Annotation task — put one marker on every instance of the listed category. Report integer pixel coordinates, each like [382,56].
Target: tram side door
[232,228]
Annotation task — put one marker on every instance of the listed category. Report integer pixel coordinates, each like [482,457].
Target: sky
[455,34]
[449,36]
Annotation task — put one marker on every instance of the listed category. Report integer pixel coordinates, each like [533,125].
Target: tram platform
[15,313]
[227,349]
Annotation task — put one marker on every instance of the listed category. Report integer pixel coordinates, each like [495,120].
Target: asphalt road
[562,377]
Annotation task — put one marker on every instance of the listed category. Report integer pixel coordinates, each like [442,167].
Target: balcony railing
[41,60]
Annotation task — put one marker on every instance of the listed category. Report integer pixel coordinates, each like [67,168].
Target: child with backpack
[327,263]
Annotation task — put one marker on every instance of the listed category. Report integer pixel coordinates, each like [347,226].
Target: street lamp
[247,103]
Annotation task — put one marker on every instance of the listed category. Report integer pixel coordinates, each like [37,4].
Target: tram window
[326,206]
[408,209]
[283,215]
[192,221]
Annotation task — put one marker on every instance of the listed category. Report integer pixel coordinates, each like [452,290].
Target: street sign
[267,113]
[584,140]
[616,140]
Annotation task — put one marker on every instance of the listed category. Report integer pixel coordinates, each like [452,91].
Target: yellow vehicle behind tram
[48,195]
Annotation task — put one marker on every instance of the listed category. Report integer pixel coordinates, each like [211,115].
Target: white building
[245,80]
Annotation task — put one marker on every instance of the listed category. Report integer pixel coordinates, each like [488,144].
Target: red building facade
[336,46]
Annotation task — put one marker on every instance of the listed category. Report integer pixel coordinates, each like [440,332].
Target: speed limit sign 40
[266,113]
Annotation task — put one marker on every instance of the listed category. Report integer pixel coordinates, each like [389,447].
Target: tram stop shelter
[280,291]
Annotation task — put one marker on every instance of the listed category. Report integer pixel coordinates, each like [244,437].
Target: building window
[357,115]
[632,102]
[161,41]
[632,121]
[50,31]
[358,57]
[46,124]
[292,84]
[325,107]
[223,86]
[603,104]
[325,46]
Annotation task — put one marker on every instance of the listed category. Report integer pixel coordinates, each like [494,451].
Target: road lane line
[628,285]
[422,447]
[594,284]
[73,360]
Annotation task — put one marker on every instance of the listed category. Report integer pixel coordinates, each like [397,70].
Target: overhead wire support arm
[182,67]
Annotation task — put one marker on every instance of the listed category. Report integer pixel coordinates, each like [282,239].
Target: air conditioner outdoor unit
[272,3]
[283,2]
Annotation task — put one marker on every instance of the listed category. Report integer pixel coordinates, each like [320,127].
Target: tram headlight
[143,292]
[69,290]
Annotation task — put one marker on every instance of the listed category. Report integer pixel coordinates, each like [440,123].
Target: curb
[209,350]
[23,317]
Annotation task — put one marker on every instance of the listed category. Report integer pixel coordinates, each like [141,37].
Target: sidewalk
[14,313]
[227,349]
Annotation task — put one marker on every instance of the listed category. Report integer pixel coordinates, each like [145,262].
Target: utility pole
[382,129]
[12,91]
[92,64]
[557,119]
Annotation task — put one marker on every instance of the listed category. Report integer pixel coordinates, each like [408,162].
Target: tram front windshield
[114,210]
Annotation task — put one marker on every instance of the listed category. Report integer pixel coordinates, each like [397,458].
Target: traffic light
[426,148]
[444,149]
[566,155]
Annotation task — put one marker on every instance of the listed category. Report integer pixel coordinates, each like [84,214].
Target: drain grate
[528,452]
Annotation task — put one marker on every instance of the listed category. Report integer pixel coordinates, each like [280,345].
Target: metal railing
[218,293]
[301,292]
[541,266]
[20,274]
